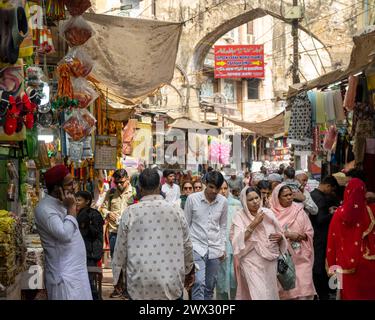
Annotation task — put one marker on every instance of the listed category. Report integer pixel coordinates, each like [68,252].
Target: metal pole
[295,23]
[154,8]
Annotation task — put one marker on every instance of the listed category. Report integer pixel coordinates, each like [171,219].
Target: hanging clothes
[300,131]
[349,100]
[320,111]
[329,106]
[338,105]
[312,98]
[364,129]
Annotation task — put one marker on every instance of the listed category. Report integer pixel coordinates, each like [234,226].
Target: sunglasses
[197,187]
[188,188]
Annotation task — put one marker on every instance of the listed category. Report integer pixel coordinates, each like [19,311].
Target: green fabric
[226,281]
[183,201]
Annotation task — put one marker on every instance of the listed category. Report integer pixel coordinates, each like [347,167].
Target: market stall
[333,126]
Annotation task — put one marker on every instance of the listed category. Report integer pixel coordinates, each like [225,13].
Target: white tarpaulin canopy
[133,57]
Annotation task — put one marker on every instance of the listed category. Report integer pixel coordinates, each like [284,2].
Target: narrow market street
[206,151]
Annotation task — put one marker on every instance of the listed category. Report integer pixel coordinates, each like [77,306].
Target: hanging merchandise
[364,129]
[79,62]
[338,105]
[83,92]
[300,133]
[76,31]
[330,138]
[11,79]
[87,148]
[349,100]
[219,151]
[312,98]
[128,134]
[13,30]
[55,10]
[34,77]
[329,106]
[45,45]
[65,88]
[19,111]
[320,112]
[77,7]
[75,151]
[80,124]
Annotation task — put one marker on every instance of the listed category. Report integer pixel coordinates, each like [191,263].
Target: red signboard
[239,61]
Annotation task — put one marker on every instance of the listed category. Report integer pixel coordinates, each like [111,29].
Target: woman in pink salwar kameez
[299,233]
[257,240]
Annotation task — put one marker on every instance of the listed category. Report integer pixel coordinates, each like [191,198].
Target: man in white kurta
[66,276]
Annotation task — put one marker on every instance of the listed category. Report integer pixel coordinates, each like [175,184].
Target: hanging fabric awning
[187,124]
[266,128]
[133,57]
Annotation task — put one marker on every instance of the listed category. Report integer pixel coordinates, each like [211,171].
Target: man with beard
[115,202]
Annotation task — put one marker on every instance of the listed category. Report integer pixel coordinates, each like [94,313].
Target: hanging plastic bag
[76,31]
[77,7]
[79,62]
[83,92]
[76,126]
[80,125]
[90,120]
[65,88]
[87,148]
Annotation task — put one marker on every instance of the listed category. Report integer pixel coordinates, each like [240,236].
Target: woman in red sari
[351,244]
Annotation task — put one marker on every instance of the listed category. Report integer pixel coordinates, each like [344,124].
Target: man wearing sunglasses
[115,202]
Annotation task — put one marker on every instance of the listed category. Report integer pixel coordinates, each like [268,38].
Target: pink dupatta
[296,220]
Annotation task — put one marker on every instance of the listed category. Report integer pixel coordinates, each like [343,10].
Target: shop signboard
[239,61]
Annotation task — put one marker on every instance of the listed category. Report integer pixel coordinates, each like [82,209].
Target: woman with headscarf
[257,241]
[351,244]
[226,281]
[186,190]
[299,233]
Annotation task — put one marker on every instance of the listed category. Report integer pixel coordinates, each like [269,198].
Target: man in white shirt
[66,275]
[308,202]
[153,246]
[170,189]
[206,214]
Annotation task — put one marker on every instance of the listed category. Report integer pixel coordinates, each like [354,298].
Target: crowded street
[187,150]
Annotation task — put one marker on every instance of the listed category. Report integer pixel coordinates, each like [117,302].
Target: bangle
[249,229]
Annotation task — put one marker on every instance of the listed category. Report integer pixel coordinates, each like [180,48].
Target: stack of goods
[12,249]
[27,217]
[34,254]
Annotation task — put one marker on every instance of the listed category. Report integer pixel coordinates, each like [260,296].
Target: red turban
[55,175]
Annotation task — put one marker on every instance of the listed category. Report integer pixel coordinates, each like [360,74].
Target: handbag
[286,271]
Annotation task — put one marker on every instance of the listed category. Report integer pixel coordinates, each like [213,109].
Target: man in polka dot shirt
[153,247]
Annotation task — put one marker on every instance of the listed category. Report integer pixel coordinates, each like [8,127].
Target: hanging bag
[286,271]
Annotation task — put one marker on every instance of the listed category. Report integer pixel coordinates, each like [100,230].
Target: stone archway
[203,46]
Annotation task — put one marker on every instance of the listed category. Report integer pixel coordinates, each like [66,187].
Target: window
[253,89]
[230,90]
